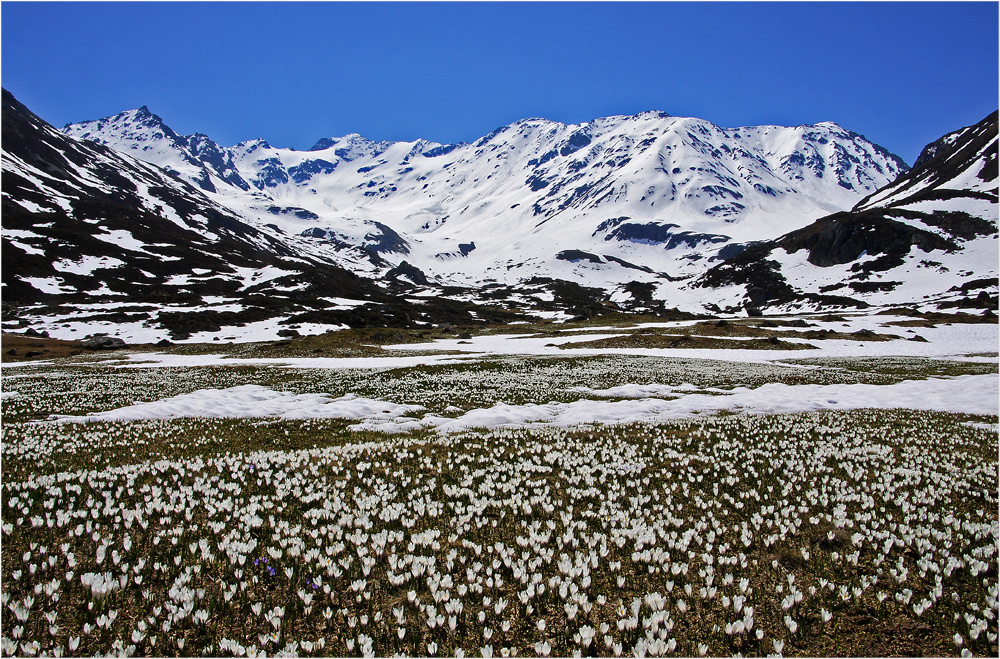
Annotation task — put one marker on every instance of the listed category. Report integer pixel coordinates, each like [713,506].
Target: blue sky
[901,73]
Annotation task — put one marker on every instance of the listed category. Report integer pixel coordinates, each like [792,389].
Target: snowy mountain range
[645,212]
[664,191]
[96,240]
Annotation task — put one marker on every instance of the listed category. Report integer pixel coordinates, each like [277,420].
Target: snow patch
[49,285]
[27,249]
[971,394]
[31,206]
[125,240]
[250,401]
[86,265]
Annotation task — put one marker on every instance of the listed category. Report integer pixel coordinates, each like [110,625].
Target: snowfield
[251,401]
[969,394]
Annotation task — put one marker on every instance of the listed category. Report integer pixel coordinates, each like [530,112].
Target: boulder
[102,342]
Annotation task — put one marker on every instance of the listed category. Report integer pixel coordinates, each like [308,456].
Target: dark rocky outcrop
[844,237]
[103,342]
[386,240]
[751,268]
[411,272]
[879,233]
[577,255]
[661,234]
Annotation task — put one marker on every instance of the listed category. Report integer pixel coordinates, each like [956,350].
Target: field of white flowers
[843,532]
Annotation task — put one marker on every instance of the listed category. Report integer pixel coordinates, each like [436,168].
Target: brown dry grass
[17,348]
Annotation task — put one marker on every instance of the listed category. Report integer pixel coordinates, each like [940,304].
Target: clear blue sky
[901,73]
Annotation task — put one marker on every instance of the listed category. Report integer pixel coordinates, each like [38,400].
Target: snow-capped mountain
[124,224]
[94,238]
[194,157]
[648,197]
[929,237]
[959,167]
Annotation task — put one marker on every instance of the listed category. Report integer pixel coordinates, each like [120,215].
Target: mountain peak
[141,115]
[349,138]
[323,143]
[252,145]
[130,126]
[638,116]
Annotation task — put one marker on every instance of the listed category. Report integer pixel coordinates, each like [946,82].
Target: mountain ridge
[643,213]
[95,239]
[541,179]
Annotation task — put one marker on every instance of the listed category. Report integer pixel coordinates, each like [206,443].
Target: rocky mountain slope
[930,237]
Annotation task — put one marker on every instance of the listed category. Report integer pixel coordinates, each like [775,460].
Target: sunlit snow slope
[647,197]
[929,237]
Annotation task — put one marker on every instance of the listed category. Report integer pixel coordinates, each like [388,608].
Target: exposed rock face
[765,285]
[577,255]
[413,273]
[657,233]
[843,237]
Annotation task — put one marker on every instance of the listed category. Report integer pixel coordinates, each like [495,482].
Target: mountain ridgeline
[179,237]
[669,192]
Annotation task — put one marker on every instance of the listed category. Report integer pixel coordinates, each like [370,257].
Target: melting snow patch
[982,426]
[972,394]
[171,360]
[125,240]
[49,285]
[20,233]
[27,249]
[32,207]
[344,302]
[87,264]
[250,401]
[255,277]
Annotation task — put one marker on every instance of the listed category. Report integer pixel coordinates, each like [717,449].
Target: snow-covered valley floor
[823,485]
